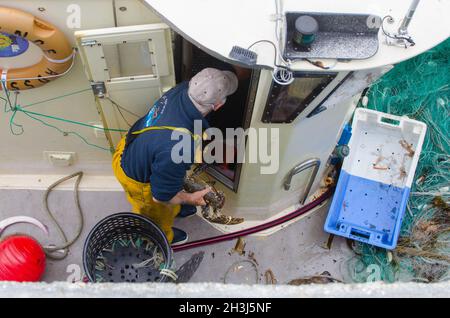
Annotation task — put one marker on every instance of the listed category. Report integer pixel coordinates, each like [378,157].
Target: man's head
[210,88]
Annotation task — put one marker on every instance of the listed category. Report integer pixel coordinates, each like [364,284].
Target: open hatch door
[130,68]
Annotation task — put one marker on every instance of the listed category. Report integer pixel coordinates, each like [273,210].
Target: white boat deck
[294,252]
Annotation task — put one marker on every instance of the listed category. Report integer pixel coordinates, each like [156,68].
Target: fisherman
[143,164]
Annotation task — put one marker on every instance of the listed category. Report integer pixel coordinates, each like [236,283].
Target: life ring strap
[69,58]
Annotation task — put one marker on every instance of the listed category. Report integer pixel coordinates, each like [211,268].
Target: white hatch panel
[131,68]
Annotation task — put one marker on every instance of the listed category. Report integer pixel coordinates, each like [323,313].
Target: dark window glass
[287,102]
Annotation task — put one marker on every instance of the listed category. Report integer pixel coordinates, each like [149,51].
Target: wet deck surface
[294,252]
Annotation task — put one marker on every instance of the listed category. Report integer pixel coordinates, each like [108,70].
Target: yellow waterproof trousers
[140,197]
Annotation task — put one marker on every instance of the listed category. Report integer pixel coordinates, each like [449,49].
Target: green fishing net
[419,89]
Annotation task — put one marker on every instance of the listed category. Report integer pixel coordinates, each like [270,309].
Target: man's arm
[167,181]
[195,199]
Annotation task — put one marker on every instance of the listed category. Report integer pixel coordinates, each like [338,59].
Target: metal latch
[88,42]
[99,89]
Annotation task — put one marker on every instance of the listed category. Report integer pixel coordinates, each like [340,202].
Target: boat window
[287,102]
[128,59]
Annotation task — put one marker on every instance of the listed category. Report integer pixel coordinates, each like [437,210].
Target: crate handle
[311,163]
[390,120]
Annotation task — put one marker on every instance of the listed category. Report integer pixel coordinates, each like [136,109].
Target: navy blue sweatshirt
[147,157]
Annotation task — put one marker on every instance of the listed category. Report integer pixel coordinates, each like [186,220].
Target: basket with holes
[127,248]
[376,178]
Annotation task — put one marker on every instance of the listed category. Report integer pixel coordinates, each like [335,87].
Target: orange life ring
[58,52]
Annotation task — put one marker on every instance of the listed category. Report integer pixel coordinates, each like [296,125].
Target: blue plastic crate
[376,178]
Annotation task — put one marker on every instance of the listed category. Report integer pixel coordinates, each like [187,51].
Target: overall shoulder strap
[197,138]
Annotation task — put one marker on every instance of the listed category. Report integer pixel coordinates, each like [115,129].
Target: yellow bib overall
[140,195]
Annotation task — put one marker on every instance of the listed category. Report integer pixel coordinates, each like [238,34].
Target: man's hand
[195,199]
[198,198]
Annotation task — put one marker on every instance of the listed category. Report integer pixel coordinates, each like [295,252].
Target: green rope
[13,124]
[66,133]
[34,115]
[419,89]
[56,98]
[18,108]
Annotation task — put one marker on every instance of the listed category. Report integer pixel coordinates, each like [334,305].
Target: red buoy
[22,259]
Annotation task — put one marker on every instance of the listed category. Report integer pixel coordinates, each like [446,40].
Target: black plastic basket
[122,226]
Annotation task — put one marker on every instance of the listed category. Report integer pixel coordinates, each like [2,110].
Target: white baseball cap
[212,87]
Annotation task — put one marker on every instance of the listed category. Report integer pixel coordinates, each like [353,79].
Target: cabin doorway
[236,113]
